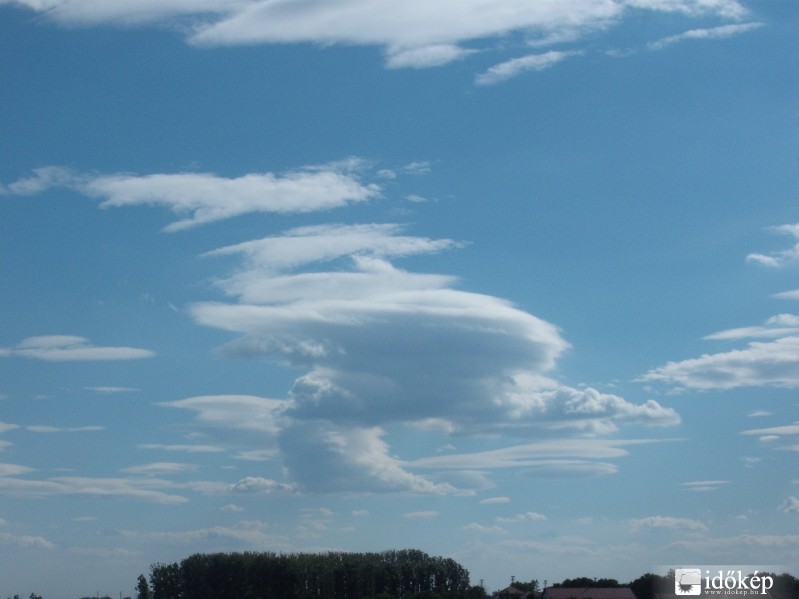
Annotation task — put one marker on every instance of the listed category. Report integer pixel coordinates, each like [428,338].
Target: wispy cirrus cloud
[710,33]
[143,489]
[779,258]
[207,197]
[511,68]
[66,348]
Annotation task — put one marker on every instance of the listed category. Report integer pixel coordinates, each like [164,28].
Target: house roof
[588,593]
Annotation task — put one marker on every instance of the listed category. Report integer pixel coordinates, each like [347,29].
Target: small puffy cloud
[679,524]
[207,197]
[232,508]
[261,486]
[790,505]
[789,295]
[7,426]
[782,257]
[711,33]
[64,348]
[511,68]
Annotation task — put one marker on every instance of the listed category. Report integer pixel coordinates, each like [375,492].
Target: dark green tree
[142,588]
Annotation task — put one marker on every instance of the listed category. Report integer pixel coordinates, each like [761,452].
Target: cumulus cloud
[64,348]
[679,524]
[711,33]
[511,68]
[783,257]
[790,505]
[412,33]
[207,197]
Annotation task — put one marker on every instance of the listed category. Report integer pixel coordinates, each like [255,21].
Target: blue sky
[509,282]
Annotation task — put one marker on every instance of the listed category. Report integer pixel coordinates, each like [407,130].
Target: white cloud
[263,486]
[543,453]
[425,56]
[495,500]
[511,68]
[568,469]
[783,257]
[679,524]
[198,448]
[40,428]
[790,505]
[160,468]
[526,517]
[322,457]
[712,33]
[412,33]
[702,486]
[13,469]
[475,527]
[6,426]
[250,532]
[207,197]
[238,412]
[26,541]
[63,348]
[780,325]
[791,429]
[789,295]
[770,363]
[144,489]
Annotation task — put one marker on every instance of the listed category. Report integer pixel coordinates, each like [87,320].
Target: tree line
[407,573]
